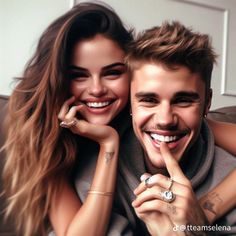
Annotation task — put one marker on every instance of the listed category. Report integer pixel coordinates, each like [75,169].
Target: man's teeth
[162,138]
[97,104]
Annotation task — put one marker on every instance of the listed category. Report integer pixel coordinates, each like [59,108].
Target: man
[171,70]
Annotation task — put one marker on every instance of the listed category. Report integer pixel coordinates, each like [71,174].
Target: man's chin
[156,160]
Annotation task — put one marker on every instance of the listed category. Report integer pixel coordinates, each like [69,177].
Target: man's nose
[97,87]
[165,116]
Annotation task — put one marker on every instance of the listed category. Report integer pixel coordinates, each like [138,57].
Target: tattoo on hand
[211,201]
[109,156]
[172,209]
[208,205]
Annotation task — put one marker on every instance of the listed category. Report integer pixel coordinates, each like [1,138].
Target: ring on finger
[68,124]
[147,182]
[171,184]
[168,196]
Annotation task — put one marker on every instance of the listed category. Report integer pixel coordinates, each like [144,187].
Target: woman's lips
[98,107]
[98,104]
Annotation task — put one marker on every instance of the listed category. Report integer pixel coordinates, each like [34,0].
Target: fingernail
[143,177]
[134,203]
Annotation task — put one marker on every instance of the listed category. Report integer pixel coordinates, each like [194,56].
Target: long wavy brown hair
[38,151]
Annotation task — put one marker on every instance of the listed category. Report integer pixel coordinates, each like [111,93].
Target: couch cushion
[225,114]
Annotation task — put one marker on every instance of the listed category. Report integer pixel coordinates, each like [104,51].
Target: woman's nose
[97,87]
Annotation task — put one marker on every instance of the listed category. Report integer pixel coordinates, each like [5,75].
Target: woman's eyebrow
[73,67]
[113,65]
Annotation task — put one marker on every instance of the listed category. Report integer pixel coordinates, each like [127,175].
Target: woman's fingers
[70,121]
[65,108]
[73,111]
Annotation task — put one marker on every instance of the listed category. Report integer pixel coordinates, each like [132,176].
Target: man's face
[167,106]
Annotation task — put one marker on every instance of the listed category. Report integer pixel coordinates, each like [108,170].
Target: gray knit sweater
[204,164]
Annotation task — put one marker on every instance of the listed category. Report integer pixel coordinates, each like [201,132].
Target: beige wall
[21,23]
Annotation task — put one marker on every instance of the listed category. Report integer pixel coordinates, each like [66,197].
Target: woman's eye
[77,76]
[113,73]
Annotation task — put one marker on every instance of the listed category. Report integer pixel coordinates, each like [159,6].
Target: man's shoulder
[224,162]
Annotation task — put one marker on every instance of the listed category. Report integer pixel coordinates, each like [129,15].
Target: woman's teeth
[162,138]
[97,104]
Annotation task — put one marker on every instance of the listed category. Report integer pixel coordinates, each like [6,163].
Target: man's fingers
[142,185]
[172,165]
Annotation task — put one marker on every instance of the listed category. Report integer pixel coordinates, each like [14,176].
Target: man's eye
[148,100]
[183,102]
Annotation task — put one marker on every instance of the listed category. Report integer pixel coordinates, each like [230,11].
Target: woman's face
[99,79]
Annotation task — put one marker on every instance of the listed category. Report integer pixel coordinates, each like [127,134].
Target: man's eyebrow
[193,95]
[145,94]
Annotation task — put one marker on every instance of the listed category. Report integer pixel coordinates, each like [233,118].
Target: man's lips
[163,138]
[167,138]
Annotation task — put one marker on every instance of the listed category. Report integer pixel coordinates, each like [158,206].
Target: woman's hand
[183,210]
[103,134]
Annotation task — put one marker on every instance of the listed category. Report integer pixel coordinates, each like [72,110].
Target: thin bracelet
[100,193]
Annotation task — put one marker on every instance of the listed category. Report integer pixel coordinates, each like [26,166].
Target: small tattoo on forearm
[211,202]
[108,156]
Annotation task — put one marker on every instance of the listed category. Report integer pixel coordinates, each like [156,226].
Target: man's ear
[208,101]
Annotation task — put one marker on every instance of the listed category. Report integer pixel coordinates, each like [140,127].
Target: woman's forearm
[70,217]
[93,216]
[225,134]
[220,199]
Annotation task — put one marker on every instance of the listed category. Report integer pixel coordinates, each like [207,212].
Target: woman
[80,60]
[42,153]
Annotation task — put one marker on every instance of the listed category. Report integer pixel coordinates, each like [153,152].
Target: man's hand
[150,204]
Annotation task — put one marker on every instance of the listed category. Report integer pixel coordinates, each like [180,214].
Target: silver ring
[171,183]
[146,181]
[68,124]
[168,196]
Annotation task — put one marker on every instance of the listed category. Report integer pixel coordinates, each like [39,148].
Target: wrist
[111,143]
